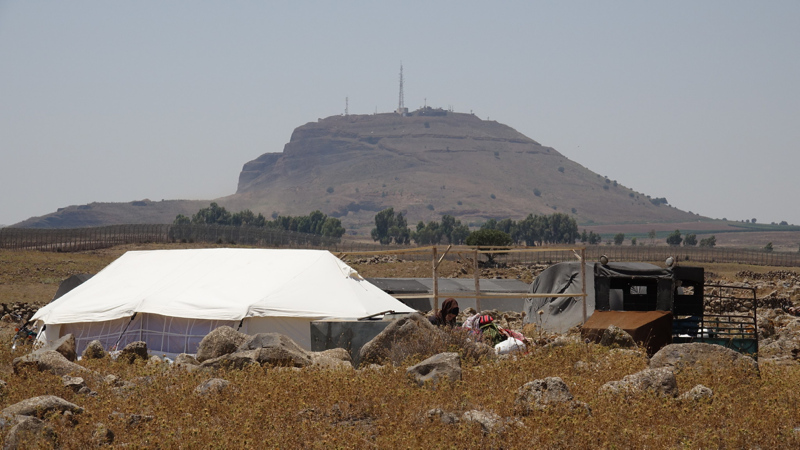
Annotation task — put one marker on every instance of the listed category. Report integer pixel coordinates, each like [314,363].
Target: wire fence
[80,239]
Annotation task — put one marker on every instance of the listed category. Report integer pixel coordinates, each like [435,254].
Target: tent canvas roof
[222,284]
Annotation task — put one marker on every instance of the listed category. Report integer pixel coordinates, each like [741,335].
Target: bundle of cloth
[503,340]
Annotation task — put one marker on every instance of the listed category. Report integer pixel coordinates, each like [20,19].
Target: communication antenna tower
[346,106]
[401,104]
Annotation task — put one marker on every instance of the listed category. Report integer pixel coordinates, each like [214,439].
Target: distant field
[728,234]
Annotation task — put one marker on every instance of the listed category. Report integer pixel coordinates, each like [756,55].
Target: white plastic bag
[510,345]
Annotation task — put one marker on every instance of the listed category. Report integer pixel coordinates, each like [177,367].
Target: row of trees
[690,240]
[557,228]
[314,223]
[393,228]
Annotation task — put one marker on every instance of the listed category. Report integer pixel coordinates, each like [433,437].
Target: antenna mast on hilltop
[401,108]
[346,106]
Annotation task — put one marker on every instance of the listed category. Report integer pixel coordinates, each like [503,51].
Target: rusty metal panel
[651,329]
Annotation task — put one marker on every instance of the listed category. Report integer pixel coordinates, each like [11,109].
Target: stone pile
[17,312]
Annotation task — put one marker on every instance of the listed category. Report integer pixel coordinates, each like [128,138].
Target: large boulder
[275,349]
[238,361]
[133,351]
[30,432]
[40,407]
[444,366]
[332,359]
[696,355]
[412,329]
[222,341]
[660,381]
[64,345]
[50,361]
[94,350]
[538,395]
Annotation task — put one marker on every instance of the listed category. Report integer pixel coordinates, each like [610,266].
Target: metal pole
[435,282]
[583,281]
[477,283]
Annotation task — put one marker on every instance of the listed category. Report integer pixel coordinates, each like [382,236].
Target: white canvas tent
[172,298]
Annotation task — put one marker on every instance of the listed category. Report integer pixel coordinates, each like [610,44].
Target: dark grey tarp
[71,283]
[559,314]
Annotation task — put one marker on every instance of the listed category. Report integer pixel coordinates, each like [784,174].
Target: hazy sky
[695,101]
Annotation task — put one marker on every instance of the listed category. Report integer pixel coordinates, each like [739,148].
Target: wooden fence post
[435,282]
[477,274]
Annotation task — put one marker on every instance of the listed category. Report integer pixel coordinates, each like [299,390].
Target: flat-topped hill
[430,163]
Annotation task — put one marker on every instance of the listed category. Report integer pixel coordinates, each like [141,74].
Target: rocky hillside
[428,163]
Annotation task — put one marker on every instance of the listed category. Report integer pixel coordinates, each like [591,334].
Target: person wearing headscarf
[447,315]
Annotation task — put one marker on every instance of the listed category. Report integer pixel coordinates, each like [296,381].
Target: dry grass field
[381,407]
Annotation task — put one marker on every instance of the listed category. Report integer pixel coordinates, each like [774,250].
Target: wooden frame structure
[579,252]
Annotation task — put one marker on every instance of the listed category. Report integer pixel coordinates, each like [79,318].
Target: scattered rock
[75,384]
[615,336]
[94,350]
[130,420]
[30,432]
[660,381]
[489,421]
[50,361]
[680,356]
[112,380]
[185,358]
[212,386]
[3,388]
[538,395]
[437,368]
[222,341]
[133,351]
[697,393]
[102,435]
[40,407]
[443,416]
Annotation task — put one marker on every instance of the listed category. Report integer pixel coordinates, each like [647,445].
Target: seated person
[447,315]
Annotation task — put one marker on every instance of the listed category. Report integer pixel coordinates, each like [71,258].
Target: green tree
[633,241]
[619,238]
[675,239]
[652,236]
[431,233]
[690,240]
[490,224]
[710,241]
[594,238]
[213,215]
[390,228]
[332,227]
[768,247]
[248,218]
[180,219]
[459,234]
[489,238]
